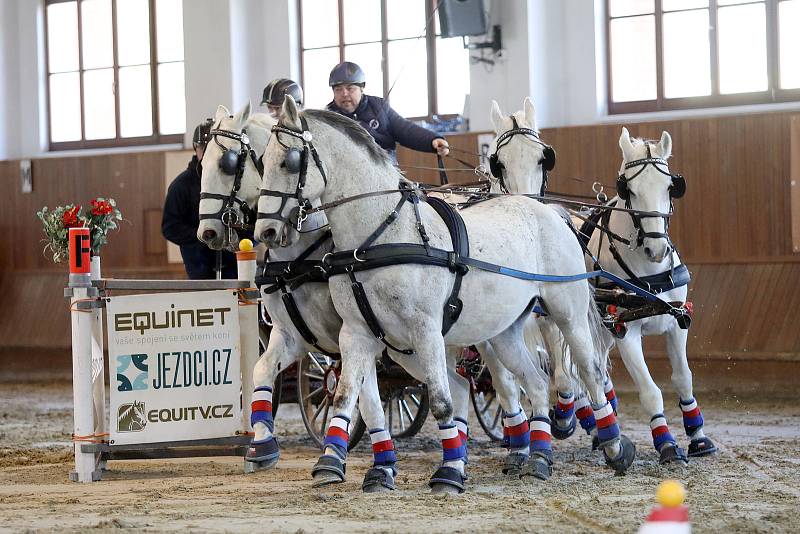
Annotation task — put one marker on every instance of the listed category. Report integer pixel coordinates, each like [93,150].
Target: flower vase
[95,265]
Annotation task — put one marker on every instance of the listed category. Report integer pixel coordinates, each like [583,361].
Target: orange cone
[670,516]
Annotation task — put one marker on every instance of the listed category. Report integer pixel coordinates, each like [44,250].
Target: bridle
[677,189]
[548,161]
[233,163]
[295,162]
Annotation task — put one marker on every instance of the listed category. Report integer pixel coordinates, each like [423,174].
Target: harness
[232,163]
[287,276]
[368,256]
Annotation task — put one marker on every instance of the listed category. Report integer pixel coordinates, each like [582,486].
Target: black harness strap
[460,239]
[369,316]
[658,283]
[297,320]
[295,273]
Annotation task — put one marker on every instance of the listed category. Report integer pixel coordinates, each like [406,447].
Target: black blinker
[293,160]
[549,159]
[229,162]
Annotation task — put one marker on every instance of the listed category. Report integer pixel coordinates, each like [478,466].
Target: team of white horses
[326,193]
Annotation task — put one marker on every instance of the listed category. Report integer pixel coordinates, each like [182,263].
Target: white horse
[286,344]
[649,186]
[403,304]
[519,163]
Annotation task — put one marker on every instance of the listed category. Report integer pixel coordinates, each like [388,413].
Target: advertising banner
[174,366]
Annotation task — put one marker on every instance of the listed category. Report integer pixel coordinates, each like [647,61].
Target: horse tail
[537,345]
[601,341]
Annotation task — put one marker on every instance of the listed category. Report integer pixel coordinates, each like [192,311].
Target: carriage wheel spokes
[317,378]
[406,409]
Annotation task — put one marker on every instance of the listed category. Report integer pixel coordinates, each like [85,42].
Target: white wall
[553,51]
[9,87]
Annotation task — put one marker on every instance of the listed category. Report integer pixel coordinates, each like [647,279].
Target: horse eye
[283,164]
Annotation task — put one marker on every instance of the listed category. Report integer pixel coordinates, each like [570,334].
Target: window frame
[156,138]
[430,48]
[773,93]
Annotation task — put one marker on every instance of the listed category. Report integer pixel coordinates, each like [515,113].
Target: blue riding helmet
[347,72]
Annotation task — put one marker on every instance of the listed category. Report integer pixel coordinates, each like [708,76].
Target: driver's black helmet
[277,89]
[202,133]
[347,72]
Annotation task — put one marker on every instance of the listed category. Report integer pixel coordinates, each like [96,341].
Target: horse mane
[351,129]
[263,123]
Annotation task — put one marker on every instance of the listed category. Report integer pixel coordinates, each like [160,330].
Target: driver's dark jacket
[387,126]
[180,221]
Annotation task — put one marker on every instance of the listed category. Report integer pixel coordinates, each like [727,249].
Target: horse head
[520,160]
[646,184]
[231,176]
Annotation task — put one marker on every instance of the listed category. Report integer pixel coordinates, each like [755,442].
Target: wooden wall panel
[738,171]
[136,181]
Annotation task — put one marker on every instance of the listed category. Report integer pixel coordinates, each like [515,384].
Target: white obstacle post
[248,324]
[98,365]
[80,284]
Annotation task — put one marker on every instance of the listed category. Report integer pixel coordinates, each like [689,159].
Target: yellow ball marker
[245,245]
[670,493]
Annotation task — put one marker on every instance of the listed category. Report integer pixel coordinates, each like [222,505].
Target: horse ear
[222,113]
[243,115]
[497,117]
[665,145]
[291,115]
[530,113]
[625,144]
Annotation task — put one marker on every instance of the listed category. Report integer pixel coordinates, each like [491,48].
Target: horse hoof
[624,459]
[671,453]
[514,463]
[559,432]
[701,447]
[539,467]
[444,489]
[378,479]
[264,454]
[328,470]
[447,480]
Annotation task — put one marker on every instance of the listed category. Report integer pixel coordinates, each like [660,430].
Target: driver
[376,116]
[181,216]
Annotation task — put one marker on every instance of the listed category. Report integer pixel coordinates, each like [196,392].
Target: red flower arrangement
[100,219]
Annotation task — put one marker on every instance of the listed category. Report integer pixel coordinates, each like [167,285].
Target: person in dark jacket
[373,113]
[182,217]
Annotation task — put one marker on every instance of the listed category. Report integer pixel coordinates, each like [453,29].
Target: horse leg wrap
[585,415]
[663,441]
[337,436]
[607,427]
[541,452]
[518,431]
[463,433]
[261,409]
[611,395]
[382,448]
[699,444]
[453,449]
[563,416]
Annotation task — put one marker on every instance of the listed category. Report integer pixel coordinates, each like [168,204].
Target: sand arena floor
[751,411]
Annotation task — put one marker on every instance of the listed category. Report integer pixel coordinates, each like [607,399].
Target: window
[676,54]
[110,82]
[395,42]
